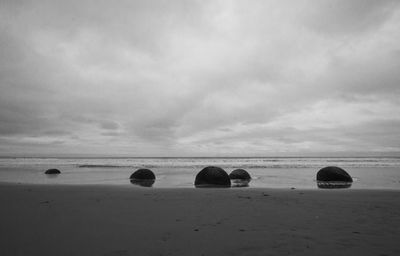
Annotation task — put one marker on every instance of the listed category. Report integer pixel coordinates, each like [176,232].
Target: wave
[233,166]
[199,163]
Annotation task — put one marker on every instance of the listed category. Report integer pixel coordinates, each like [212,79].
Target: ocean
[266,172]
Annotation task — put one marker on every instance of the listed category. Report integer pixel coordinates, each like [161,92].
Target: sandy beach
[128,220]
[293,107]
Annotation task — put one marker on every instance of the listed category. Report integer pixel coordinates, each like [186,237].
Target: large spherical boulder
[239,174]
[212,176]
[333,177]
[52,171]
[143,177]
[143,174]
[333,173]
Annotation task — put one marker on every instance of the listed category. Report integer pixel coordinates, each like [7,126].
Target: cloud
[198,77]
[348,17]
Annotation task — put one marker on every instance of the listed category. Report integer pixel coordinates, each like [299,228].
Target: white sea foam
[288,162]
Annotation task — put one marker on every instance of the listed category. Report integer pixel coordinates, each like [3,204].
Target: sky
[200,78]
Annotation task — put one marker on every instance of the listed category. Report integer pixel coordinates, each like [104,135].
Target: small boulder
[52,171]
[239,174]
[240,178]
[212,176]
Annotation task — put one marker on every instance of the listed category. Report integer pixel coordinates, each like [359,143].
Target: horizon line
[199,157]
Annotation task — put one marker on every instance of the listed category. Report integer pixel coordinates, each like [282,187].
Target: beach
[204,128]
[130,220]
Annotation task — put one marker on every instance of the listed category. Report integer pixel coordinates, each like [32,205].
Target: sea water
[268,172]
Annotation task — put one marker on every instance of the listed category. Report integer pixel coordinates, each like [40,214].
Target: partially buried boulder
[143,177]
[52,171]
[212,176]
[240,178]
[333,177]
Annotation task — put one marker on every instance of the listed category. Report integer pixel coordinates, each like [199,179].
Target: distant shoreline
[188,157]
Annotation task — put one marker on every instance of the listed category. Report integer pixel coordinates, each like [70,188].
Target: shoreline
[125,220]
[300,178]
[250,188]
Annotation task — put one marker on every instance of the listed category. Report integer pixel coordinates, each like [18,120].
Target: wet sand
[127,220]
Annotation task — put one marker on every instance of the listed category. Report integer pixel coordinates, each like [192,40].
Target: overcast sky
[199,78]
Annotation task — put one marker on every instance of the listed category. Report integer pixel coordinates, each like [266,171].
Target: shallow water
[368,173]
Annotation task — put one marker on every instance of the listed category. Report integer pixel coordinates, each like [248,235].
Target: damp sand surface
[130,220]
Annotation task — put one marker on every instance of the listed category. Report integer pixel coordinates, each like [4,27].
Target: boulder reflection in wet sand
[240,183]
[52,171]
[143,183]
[333,184]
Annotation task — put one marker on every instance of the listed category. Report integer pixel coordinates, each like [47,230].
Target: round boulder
[143,174]
[333,173]
[143,177]
[212,176]
[239,174]
[52,171]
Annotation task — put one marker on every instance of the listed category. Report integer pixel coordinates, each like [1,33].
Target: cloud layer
[199,78]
